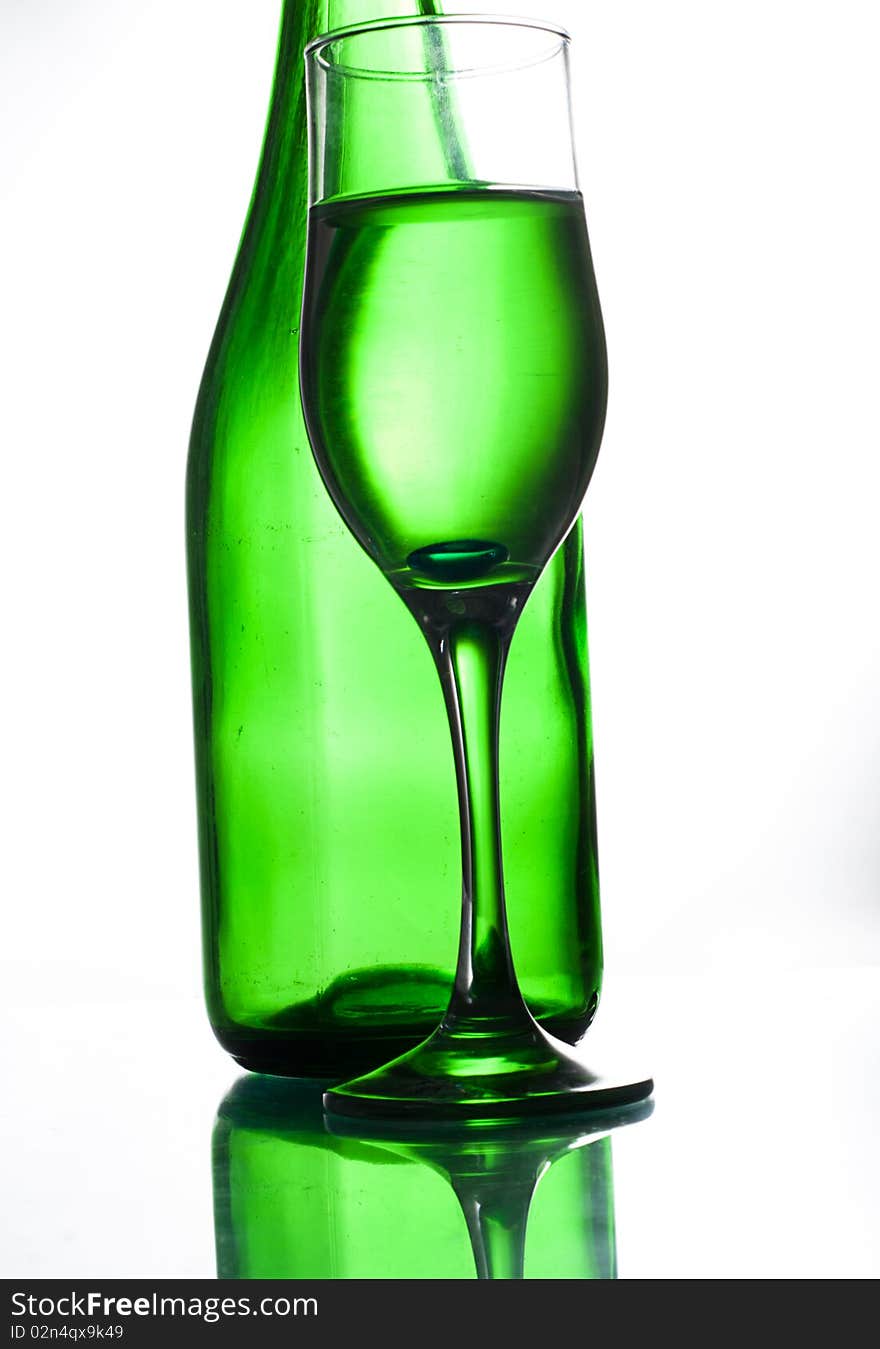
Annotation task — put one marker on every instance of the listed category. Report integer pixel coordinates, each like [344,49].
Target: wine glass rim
[313,49]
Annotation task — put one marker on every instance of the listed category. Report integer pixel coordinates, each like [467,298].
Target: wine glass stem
[470,657]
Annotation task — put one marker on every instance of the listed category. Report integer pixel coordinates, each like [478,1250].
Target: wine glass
[454,381]
[495,1173]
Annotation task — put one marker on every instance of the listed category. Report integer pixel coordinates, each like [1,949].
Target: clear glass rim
[313,50]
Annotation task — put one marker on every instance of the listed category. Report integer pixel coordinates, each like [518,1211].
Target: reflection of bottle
[293,1201]
[327,810]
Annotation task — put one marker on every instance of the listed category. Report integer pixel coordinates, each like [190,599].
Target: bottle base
[334,1054]
[363,1020]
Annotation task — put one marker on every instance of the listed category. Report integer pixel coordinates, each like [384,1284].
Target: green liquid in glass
[455,377]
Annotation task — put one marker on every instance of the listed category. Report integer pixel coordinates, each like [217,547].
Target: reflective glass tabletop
[133,1148]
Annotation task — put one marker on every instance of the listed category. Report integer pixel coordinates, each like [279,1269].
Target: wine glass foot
[481,1078]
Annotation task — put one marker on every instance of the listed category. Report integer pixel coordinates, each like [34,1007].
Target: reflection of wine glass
[294,1201]
[454,382]
[495,1175]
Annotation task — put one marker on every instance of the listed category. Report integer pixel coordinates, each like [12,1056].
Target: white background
[728,157]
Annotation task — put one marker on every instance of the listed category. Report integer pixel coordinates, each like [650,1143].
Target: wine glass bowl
[454,383]
[454,376]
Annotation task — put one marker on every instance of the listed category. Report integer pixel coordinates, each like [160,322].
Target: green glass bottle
[291,1201]
[327,806]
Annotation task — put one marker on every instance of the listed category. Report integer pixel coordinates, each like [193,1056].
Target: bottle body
[326,790]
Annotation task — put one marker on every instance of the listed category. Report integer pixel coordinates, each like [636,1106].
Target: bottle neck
[302,20]
[279,200]
[341,13]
